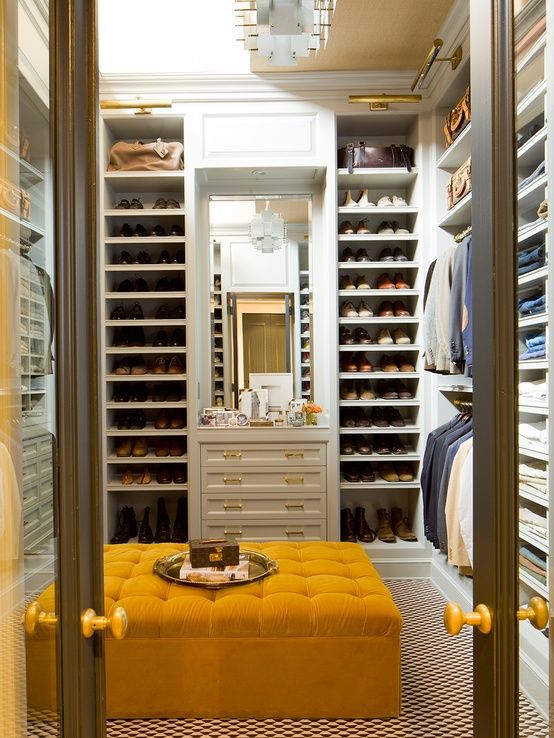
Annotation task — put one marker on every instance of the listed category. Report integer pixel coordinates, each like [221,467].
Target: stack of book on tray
[214,573]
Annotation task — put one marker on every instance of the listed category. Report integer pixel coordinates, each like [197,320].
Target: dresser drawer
[277,505]
[31,495]
[272,454]
[263,480]
[264,530]
[36,445]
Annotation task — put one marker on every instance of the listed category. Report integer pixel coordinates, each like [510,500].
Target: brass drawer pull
[233,532]
[232,454]
[294,505]
[294,480]
[294,454]
[294,532]
[236,506]
[232,480]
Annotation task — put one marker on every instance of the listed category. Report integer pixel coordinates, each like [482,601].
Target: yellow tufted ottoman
[319,639]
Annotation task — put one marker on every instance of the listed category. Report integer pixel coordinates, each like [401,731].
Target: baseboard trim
[450,584]
[403,568]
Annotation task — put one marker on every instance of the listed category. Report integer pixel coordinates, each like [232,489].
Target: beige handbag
[136,157]
[459,184]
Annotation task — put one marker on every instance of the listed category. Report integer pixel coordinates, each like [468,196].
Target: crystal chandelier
[283,30]
[268,231]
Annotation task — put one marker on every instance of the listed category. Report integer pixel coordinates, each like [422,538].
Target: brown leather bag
[136,157]
[15,199]
[459,184]
[357,156]
[458,118]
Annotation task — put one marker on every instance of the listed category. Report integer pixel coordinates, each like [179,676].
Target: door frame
[74,111]
[495,656]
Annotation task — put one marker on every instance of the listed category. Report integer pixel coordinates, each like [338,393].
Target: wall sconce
[431,58]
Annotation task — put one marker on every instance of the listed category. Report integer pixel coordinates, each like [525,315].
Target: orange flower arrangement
[311,407]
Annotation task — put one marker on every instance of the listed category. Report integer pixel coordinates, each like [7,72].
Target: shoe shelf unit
[380,417]
[305,318]
[143,291]
[218,363]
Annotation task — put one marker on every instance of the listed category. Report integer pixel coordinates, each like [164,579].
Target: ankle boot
[163,530]
[121,534]
[347,530]
[132,521]
[400,525]
[384,530]
[145,533]
[180,527]
[363,531]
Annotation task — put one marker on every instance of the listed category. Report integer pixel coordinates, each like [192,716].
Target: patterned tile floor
[436,691]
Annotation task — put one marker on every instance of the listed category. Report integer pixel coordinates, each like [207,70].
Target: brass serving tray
[260,566]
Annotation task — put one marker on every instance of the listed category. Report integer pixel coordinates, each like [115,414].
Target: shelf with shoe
[376,179]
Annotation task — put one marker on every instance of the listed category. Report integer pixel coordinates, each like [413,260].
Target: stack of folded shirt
[536,347]
[535,174]
[533,562]
[533,393]
[530,259]
[533,474]
[533,433]
[532,304]
[535,522]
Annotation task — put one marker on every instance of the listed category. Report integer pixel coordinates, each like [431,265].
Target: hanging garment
[456,547]
[467,322]
[457,301]
[465,505]
[446,477]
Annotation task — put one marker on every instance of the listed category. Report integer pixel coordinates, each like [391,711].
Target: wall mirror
[260,297]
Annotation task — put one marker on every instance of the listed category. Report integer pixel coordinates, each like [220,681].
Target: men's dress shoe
[347,310]
[125,286]
[363,227]
[387,390]
[385,228]
[140,230]
[346,447]
[179,257]
[158,231]
[145,531]
[347,390]
[160,339]
[400,336]
[347,419]
[123,204]
[124,258]
[162,447]
[362,446]
[163,527]
[366,472]
[386,254]
[123,447]
[384,337]
[161,365]
[180,526]
[348,254]
[348,201]
[384,202]
[172,204]
[121,393]
[162,285]
[364,310]
[127,477]
[177,337]
[400,283]
[362,283]
[141,285]
[351,473]
[136,312]
[399,202]
[164,257]
[384,530]
[138,392]
[362,255]
[360,418]
[144,477]
[400,525]
[162,313]
[387,471]
[398,229]
[346,227]
[176,365]
[123,421]
[178,312]
[399,255]
[176,285]
[404,471]
[386,309]
[403,392]
[388,364]
[176,230]
[345,337]
[143,257]
[159,392]
[126,231]
[366,393]
[122,367]
[404,364]
[177,447]
[160,204]
[347,528]
[363,531]
[396,445]
[348,364]
[346,283]
[400,310]
[136,204]
[364,364]
[162,420]
[118,313]
[140,447]
[163,475]
[139,366]
[379,418]
[363,200]
[361,336]
[381,445]
[395,418]
[177,420]
[137,420]
[384,282]
[180,474]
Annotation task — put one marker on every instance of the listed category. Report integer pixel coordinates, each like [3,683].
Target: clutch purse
[353,156]
[142,157]
[458,118]
[459,184]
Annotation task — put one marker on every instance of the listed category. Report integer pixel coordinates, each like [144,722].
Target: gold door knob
[455,618]
[117,623]
[536,612]
[36,617]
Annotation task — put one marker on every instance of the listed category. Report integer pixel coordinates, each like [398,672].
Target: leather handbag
[458,118]
[156,156]
[354,156]
[15,199]
[459,184]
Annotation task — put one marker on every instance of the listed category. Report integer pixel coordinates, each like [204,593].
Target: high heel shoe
[363,200]
[349,202]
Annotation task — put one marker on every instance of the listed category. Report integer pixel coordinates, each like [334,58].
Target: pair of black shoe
[130,420]
[143,257]
[129,336]
[162,338]
[170,285]
[130,392]
[127,525]
[139,285]
[164,313]
[166,258]
[157,231]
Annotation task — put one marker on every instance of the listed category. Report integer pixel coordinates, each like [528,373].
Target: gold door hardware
[294,532]
[294,505]
[144,106]
[294,454]
[432,57]
[232,480]
[232,532]
[455,618]
[229,506]
[117,623]
[232,454]
[536,612]
[36,617]
[294,480]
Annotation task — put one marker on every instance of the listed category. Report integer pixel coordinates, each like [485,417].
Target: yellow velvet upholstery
[319,639]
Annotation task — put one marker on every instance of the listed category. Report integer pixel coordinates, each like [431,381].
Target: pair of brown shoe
[131,447]
[170,447]
[389,527]
[356,362]
[174,420]
[384,282]
[396,364]
[168,365]
[355,527]
[387,309]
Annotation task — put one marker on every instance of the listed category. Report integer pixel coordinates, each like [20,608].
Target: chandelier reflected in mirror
[268,231]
